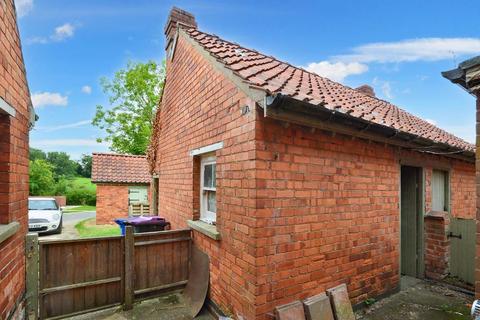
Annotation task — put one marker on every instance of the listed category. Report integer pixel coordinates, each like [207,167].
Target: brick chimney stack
[178,16]
[366,89]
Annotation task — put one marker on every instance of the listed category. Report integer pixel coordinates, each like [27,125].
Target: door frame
[421,175]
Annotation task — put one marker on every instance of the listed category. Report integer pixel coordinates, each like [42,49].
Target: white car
[44,215]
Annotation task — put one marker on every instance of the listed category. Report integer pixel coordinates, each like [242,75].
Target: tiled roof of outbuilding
[274,76]
[120,168]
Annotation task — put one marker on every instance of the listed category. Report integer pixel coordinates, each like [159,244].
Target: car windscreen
[42,205]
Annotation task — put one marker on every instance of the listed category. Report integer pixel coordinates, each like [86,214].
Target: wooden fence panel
[79,275]
[161,260]
[82,275]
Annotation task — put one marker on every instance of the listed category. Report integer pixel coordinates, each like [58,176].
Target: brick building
[467,76]
[123,186]
[293,183]
[16,116]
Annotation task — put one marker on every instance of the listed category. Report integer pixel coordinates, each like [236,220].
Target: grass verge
[80,209]
[88,229]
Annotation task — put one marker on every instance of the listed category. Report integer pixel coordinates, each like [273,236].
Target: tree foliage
[134,94]
[62,165]
[41,178]
[85,166]
[37,154]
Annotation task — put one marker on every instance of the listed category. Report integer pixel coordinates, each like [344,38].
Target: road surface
[69,222]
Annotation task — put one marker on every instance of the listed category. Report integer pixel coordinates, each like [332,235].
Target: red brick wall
[201,107]
[328,207]
[112,202]
[13,163]
[299,210]
[436,246]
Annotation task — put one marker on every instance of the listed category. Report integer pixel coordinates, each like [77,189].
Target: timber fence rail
[71,277]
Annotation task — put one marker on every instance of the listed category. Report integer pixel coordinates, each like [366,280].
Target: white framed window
[208,189]
[440,190]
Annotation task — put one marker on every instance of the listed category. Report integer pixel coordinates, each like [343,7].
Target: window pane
[214,175]
[209,176]
[439,187]
[211,201]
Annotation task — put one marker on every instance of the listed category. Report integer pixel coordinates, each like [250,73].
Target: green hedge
[83,197]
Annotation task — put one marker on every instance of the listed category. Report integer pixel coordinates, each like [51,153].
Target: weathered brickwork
[436,246]
[201,107]
[299,210]
[112,202]
[13,164]
[328,207]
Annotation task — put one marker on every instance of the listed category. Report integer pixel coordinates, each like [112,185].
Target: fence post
[129,268]
[32,270]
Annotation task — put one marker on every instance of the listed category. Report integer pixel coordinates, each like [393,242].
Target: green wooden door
[137,195]
[411,230]
[462,249]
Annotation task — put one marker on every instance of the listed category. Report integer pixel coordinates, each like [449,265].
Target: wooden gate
[82,275]
[462,249]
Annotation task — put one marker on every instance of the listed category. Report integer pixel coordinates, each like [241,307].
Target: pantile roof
[120,168]
[277,77]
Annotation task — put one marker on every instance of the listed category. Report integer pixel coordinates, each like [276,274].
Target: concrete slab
[423,300]
[170,306]
[318,308]
[290,311]
[342,308]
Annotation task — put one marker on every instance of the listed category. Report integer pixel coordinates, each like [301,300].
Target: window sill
[8,230]
[439,215]
[204,228]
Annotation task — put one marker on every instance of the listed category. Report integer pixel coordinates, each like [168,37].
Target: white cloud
[41,99]
[336,71]
[431,121]
[65,126]
[385,87]
[67,143]
[61,33]
[23,7]
[422,49]
[87,89]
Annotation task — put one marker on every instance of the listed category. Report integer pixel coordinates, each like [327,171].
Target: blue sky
[398,47]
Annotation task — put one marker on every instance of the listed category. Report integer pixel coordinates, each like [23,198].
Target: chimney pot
[178,16]
[366,89]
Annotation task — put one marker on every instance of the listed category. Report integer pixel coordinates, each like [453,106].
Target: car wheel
[59,228]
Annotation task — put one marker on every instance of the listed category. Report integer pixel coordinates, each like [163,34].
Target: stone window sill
[439,215]
[8,230]
[204,228]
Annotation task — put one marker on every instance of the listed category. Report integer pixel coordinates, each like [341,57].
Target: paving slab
[290,311]
[342,307]
[318,308]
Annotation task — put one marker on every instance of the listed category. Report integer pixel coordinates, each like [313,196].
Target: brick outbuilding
[294,183]
[16,117]
[123,186]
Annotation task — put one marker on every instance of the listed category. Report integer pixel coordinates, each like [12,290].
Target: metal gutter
[286,108]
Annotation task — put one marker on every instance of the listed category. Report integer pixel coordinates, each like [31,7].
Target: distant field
[82,183]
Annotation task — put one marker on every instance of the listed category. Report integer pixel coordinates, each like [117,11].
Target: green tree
[62,165]
[85,166]
[41,178]
[37,154]
[134,95]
